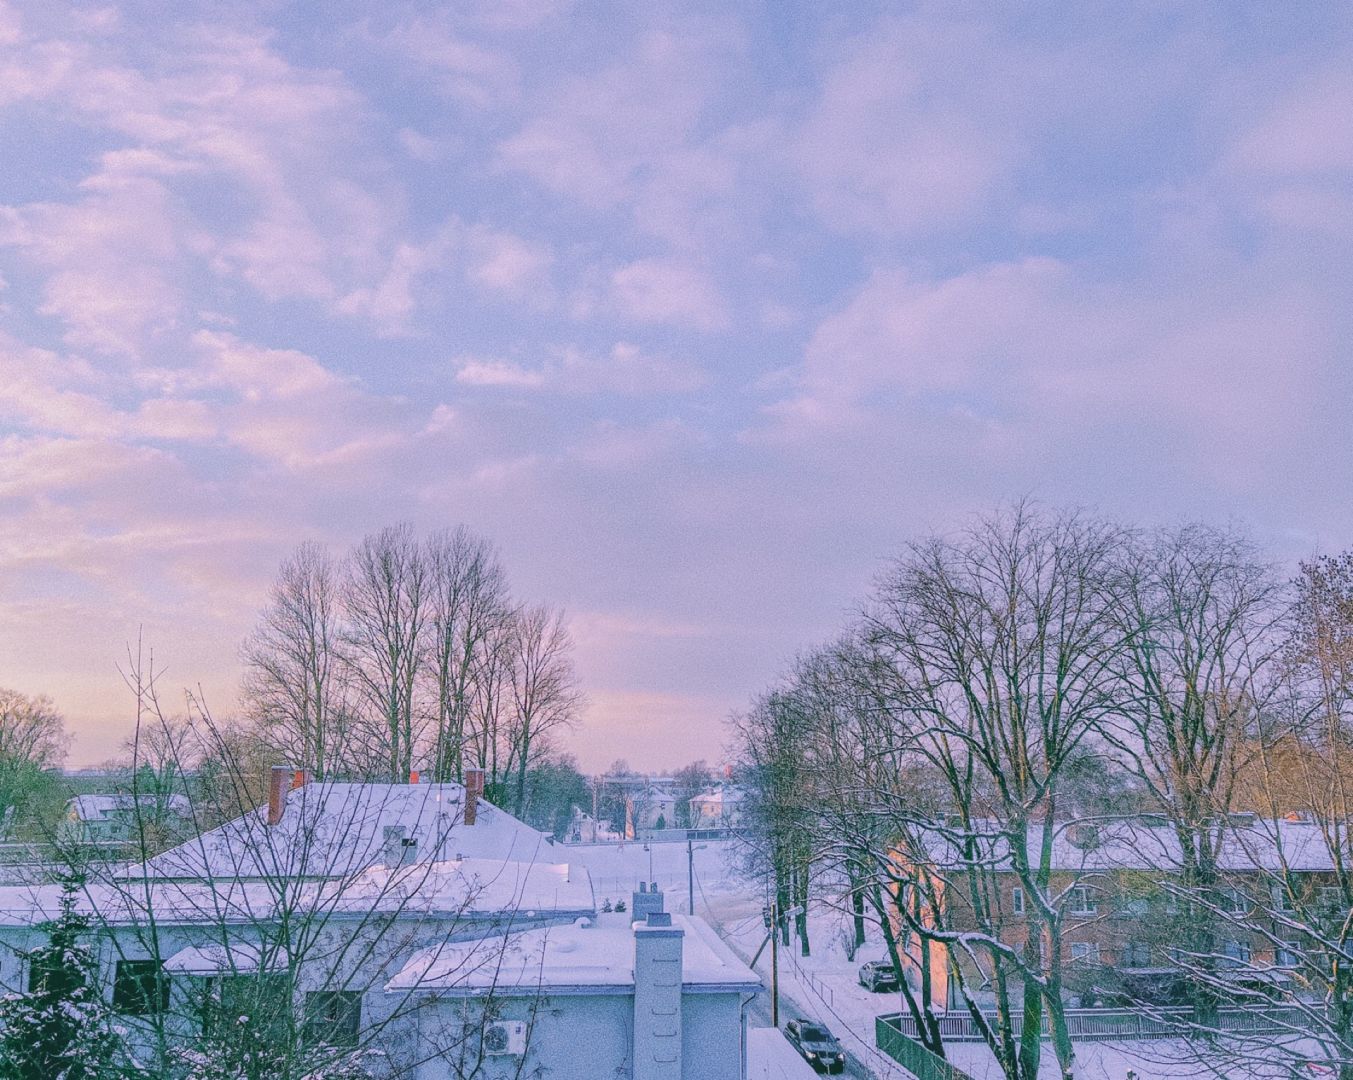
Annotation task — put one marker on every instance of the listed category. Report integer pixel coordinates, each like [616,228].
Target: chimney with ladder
[657,998]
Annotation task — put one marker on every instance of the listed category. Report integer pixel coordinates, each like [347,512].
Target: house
[657,998]
[585,829]
[1122,916]
[717,809]
[311,908]
[121,818]
[654,808]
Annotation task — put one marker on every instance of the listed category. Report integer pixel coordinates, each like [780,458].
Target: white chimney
[657,998]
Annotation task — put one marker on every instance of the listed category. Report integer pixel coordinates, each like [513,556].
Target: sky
[698,310]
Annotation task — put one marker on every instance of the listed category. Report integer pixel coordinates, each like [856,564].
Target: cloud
[660,291]
[916,126]
[462,68]
[109,258]
[647,133]
[626,370]
[501,373]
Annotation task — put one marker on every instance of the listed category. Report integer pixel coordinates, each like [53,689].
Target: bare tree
[545,694]
[997,645]
[1197,612]
[491,704]
[295,686]
[771,738]
[385,637]
[1294,909]
[468,600]
[689,781]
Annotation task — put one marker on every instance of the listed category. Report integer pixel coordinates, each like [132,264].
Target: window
[333,1017]
[1289,954]
[264,999]
[1331,898]
[1236,951]
[1235,902]
[140,988]
[1135,907]
[1282,899]
[1136,954]
[1083,901]
[1086,952]
[1017,900]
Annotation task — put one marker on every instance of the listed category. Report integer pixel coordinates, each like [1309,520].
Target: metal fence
[911,1055]
[1112,1024]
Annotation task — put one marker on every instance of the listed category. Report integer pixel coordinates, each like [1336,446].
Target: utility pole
[690,876]
[774,964]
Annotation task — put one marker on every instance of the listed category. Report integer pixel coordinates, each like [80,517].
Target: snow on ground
[770,1057]
[1155,1059]
[824,987]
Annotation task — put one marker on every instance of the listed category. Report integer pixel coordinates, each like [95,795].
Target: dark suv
[816,1045]
[879,975]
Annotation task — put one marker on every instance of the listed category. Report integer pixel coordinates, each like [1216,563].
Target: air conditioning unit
[505,1037]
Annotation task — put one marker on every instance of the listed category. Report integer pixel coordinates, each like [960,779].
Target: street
[758,1015]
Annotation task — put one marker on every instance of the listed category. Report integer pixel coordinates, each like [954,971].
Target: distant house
[119,818]
[585,829]
[718,809]
[654,808]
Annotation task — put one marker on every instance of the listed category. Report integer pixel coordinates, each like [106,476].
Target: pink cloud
[662,291]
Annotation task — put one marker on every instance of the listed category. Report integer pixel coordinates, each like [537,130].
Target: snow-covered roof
[468,888]
[132,903]
[97,807]
[334,830]
[237,958]
[1247,844]
[477,886]
[582,958]
[719,797]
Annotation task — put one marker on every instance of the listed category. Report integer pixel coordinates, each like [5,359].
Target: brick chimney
[474,791]
[645,901]
[281,778]
[657,998]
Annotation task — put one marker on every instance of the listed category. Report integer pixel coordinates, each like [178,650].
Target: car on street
[878,976]
[816,1045]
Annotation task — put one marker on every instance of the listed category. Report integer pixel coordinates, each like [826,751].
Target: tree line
[409,653]
[1045,676]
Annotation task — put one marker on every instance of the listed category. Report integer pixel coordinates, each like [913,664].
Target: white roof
[464,885]
[1247,844]
[469,888]
[723,795]
[237,958]
[596,958]
[130,903]
[331,830]
[94,807]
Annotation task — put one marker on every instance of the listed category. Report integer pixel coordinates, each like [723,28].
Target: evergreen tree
[61,1029]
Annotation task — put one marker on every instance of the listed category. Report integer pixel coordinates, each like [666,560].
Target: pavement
[758,1015]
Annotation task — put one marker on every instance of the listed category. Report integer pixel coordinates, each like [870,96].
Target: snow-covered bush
[60,1029]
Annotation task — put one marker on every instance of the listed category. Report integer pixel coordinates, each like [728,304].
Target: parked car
[878,976]
[816,1045]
